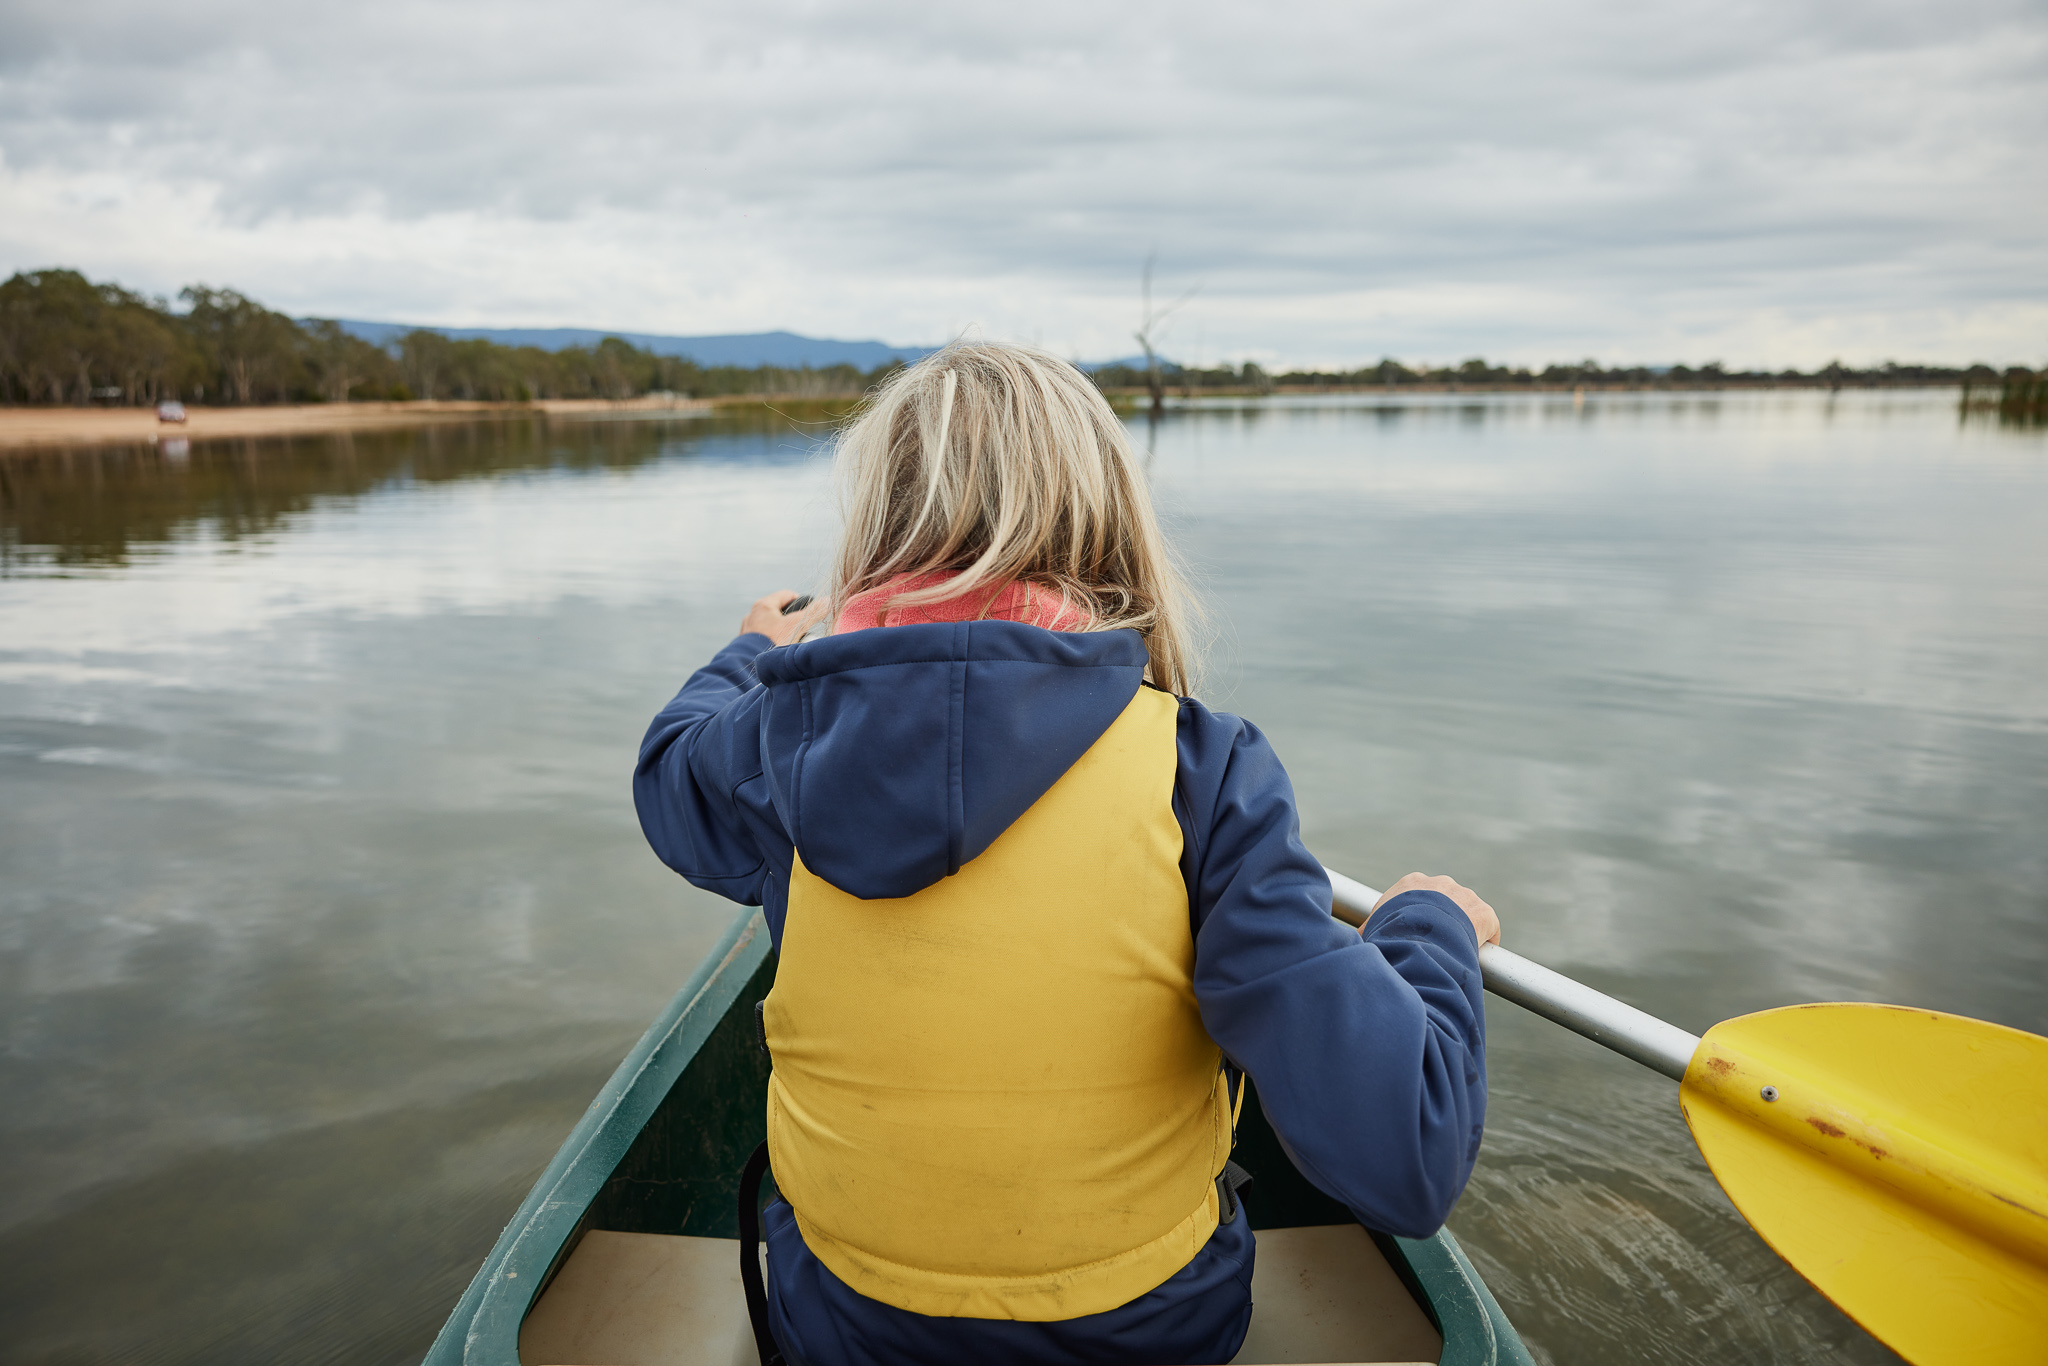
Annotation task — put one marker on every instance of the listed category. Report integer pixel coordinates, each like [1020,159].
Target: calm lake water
[323,909]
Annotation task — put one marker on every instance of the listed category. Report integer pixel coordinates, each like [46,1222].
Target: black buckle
[1229,1182]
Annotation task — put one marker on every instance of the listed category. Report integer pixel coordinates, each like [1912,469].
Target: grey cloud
[1786,153]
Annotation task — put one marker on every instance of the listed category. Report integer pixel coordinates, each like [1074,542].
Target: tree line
[66,340]
[1479,373]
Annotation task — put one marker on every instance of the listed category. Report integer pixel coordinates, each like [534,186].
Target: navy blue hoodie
[893,756]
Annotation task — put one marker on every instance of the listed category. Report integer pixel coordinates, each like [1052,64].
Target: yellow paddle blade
[1898,1159]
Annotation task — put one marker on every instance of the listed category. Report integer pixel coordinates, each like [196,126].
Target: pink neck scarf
[1014,601]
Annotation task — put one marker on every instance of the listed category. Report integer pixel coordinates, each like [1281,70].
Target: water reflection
[323,909]
[94,506]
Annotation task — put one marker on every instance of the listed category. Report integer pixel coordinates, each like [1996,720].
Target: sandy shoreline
[26,429]
[31,428]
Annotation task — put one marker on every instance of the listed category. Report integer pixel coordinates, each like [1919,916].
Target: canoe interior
[627,1252]
[1323,1294]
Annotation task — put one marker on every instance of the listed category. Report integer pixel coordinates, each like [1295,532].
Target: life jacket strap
[750,1257]
[1232,1178]
[1229,1182]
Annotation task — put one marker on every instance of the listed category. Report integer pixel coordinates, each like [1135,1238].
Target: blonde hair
[997,464]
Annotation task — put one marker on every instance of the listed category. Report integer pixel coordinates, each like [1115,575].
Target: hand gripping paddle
[1896,1158]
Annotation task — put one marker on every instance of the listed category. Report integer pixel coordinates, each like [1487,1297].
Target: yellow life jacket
[994,1098]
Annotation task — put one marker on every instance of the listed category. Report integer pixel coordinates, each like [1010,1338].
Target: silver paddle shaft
[1628,1031]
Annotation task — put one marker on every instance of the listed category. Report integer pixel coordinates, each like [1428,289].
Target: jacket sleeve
[702,748]
[1368,1050]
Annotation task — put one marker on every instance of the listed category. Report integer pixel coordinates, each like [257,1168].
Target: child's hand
[765,618]
[1484,921]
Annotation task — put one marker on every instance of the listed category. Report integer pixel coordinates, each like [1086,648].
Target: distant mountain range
[746,349]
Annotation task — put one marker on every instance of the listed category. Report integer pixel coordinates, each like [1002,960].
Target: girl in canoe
[1038,910]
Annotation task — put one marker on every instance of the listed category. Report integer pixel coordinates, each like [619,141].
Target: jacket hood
[895,755]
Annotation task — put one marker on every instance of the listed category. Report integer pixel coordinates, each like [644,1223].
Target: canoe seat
[642,1299]
[1325,1294]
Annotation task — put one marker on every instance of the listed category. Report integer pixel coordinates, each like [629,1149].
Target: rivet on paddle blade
[1770,1093]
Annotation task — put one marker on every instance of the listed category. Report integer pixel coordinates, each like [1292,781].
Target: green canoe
[626,1251]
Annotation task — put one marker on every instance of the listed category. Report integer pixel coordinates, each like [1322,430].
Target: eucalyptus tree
[256,353]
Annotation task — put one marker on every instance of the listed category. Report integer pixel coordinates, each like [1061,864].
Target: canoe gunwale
[483,1328]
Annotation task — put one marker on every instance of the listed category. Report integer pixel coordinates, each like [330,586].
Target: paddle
[1897,1158]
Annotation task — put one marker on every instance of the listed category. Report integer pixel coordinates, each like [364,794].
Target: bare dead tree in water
[1148,331]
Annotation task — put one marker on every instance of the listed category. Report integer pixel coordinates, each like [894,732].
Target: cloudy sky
[1763,184]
